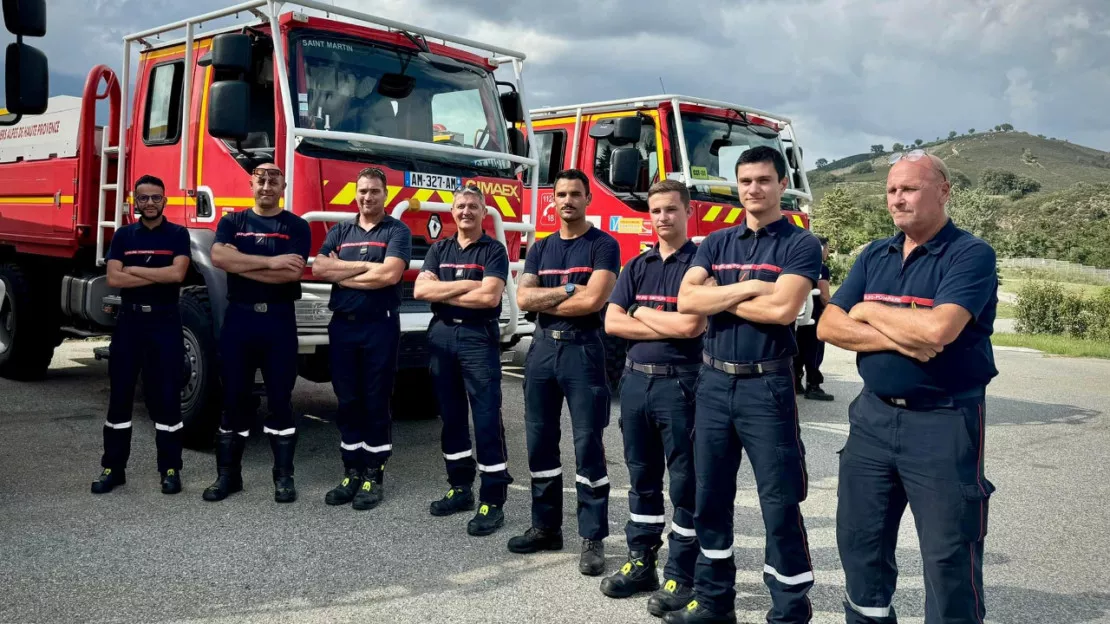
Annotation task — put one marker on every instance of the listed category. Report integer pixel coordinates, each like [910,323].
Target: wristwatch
[570,288]
[632,309]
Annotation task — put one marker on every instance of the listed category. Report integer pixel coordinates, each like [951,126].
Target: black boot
[456,499]
[695,613]
[815,393]
[345,491]
[283,447]
[171,481]
[109,479]
[370,493]
[229,469]
[636,575]
[671,598]
[488,519]
[535,540]
[592,560]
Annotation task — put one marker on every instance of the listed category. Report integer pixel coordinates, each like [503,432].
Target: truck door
[624,214]
[551,144]
[156,142]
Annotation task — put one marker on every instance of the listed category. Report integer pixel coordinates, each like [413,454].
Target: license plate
[432,181]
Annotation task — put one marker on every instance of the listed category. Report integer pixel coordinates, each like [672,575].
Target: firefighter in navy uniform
[147,261]
[751,280]
[919,310]
[366,258]
[657,404]
[464,277]
[264,251]
[567,279]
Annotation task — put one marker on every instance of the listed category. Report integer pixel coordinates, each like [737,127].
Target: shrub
[839,266]
[1048,308]
[863,167]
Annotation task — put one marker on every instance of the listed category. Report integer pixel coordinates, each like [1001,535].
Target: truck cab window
[649,159]
[261,129]
[551,146]
[162,124]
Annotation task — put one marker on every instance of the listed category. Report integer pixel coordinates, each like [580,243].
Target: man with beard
[263,250]
[567,279]
[365,257]
[464,277]
[751,280]
[147,261]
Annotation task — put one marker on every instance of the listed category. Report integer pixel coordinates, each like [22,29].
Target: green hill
[1055,164]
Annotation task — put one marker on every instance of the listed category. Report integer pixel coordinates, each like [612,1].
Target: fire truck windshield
[714,144]
[347,85]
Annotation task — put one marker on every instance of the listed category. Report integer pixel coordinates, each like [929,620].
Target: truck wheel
[28,324]
[200,393]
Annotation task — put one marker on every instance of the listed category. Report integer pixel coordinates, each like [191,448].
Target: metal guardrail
[1057,266]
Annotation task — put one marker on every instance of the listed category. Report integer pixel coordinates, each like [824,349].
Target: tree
[960,179]
[850,219]
[997,128]
[821,162]
[898,147]
[1002,182]
[863,167]
[918,142]
[877,149]
[975,211]
[1006,127]
[952,134]
[971,131]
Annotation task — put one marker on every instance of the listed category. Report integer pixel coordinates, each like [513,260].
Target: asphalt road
[136,555]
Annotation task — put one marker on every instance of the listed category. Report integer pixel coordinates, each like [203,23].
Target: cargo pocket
[794,483]
[973,523]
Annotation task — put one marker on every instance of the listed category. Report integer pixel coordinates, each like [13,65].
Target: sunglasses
[142,199]
[273,175]
[913,156]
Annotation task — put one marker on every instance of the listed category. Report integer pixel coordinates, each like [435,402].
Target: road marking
[511,374]
[842,429]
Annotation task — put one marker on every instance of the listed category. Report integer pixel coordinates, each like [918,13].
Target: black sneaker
[695,613]
[815,393]
[370,493]
[109,479]
[592,561]
[535,540]
[486,522]
[455,500]
[345,491]
[635,576]
[671,597]
[171,482]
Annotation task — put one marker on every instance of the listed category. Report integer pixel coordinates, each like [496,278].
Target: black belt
[745,368]
[263,308]
[149,307]
[457,321]
[930,403]
[364,316]
[570,335]
[665,370]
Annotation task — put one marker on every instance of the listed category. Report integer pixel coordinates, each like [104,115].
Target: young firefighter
[657,404]
[366,257]
[567,278]
[147,262]
[751,280]
[264,251]
[464,277]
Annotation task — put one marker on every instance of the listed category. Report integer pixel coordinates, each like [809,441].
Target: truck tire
[29,322]
[200,392]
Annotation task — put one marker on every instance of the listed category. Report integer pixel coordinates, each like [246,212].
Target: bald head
[916,192]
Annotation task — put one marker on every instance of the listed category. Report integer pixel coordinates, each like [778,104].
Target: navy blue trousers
[149,343]
[363,355]
[657,423]
[756,414]
[251,340]
[465,364]
[574,370]
[931,459]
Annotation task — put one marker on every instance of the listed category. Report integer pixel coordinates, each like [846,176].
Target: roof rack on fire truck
[675,100]
[270,12]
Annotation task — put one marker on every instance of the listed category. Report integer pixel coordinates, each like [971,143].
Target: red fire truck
[626,145]
[323,95]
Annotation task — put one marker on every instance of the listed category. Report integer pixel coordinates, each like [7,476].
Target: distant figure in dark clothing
[811,351]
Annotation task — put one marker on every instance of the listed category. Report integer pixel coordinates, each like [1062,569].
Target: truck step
[108,187]
[100,353]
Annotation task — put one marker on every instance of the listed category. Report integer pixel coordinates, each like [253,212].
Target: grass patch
[1006,310]
[1056,345]
[1013,281]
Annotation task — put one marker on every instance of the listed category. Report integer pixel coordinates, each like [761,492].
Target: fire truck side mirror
[28,80]
[512,107]
[624,168]
[517,144]
[228,108]
[25,18]
[619,130]
[231,52]
[794,156]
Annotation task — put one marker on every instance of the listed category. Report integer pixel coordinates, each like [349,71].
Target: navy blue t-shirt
[558,262]
[390,237]
[482,258]
[653,282]
[737,254]
[819,307]
[136,245]
[253,234]
[953,267]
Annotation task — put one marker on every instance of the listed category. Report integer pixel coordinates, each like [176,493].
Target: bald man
[919,309]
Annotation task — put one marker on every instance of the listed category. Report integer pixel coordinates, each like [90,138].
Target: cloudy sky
[851,73]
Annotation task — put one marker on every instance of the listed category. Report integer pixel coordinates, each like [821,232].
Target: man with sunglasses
[264,251]
[147,261]
[464,277]
[919,309]
[365,257]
